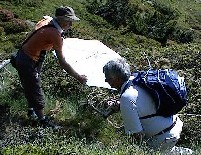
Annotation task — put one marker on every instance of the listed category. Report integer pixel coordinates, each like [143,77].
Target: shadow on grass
[17,129]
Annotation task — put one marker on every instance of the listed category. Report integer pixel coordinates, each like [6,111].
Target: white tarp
[88,57]
[4,63]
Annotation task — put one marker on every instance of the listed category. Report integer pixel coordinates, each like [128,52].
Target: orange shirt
[46,38]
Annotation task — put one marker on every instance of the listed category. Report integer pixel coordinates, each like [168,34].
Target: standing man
[160,133]
[46,36]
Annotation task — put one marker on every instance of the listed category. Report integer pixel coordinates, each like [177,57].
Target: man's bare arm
[68,68]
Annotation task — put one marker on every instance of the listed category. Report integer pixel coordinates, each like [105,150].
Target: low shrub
[15,26]
[1,30]
[154,20]
[183,35]
[28,3]
[6,15]
[56,82]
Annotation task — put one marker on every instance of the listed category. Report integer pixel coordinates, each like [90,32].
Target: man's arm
[130,115]
[68,68]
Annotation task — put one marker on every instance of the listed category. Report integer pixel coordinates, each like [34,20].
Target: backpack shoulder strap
[131,82]
[137,81]
[149,116]
[26,40]
[124,89]
[43,52]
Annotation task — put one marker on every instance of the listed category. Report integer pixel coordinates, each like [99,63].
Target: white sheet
[88,57]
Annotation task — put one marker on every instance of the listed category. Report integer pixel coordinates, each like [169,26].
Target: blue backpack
[166,87]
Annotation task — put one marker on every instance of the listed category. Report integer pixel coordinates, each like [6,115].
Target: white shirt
[135,102]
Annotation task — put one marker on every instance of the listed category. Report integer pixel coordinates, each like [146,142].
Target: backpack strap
[49,25]
[132,83]
[125,87]
[43,52]
[149,116]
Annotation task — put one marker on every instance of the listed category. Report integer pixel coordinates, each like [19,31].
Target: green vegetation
[167,31]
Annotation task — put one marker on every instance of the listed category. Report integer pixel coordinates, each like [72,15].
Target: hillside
[167,31]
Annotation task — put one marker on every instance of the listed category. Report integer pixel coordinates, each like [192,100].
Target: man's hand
[82,79]
[68,68]
[114,105]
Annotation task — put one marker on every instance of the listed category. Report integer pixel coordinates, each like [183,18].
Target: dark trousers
[29,73]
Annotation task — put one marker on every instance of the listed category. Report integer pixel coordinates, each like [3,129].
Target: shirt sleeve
[129,111]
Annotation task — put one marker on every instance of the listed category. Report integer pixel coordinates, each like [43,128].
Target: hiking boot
[32,115]
[48,123]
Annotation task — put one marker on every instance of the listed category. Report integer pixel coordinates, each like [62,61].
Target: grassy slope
[93,136]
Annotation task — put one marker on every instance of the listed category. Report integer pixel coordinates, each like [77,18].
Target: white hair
[119,68]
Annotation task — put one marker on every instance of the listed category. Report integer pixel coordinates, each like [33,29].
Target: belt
[167,129]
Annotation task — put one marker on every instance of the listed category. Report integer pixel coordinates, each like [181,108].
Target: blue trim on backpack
[165,87]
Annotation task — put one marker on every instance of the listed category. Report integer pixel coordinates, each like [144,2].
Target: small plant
[15,26]
[6,15]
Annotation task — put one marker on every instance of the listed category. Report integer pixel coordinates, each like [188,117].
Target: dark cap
[67,12]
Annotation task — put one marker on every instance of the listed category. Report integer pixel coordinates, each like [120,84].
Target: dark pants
[29,73]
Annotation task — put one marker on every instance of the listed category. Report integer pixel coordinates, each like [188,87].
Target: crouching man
[160,133]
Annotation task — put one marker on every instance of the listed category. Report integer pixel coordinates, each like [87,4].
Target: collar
[58,27]
[126,84]
[122,87]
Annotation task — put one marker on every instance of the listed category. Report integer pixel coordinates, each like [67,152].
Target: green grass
[85,132]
